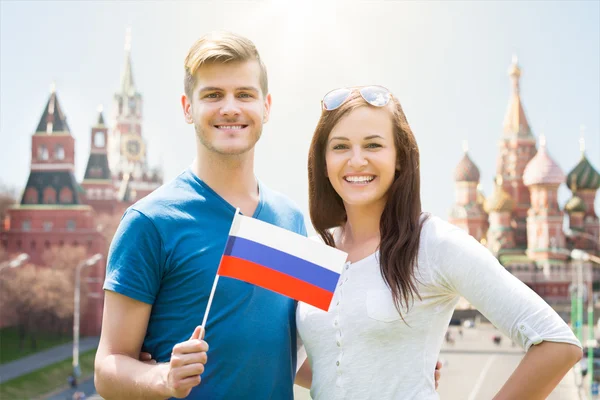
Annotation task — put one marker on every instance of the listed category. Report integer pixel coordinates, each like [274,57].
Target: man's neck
[230,177]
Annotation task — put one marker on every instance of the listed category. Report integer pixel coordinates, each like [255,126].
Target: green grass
[9,344]
[47,379]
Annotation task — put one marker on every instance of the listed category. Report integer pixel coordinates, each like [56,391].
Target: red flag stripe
[276,281]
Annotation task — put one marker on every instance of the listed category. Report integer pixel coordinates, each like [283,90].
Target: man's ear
[267,108]
[187,109]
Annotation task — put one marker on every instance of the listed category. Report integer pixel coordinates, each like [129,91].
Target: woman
[406,270]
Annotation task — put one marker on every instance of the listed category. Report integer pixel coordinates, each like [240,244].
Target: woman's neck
[362,225]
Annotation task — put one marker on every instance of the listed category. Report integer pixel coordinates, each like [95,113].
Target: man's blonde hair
[221,47]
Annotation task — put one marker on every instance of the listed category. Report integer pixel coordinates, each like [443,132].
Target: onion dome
[500,200]
[575,204]
[466,170]
[542,169]
[583,176]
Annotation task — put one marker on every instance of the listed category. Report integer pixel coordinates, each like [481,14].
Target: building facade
[56,210]
[521,223]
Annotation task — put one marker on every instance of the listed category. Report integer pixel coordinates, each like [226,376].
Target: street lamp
[581,256]
[85,263]
[15,262]
[593,239]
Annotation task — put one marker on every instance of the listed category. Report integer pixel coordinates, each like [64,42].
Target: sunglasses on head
[377,96]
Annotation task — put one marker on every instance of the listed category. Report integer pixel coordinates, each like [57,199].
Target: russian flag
[282,261]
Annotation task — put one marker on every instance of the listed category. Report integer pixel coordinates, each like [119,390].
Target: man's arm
[118,372]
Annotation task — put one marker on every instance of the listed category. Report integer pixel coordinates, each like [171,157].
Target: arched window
[31,196]
[59,152]
[99,140]
[49,195]
[66,196]
[43,153]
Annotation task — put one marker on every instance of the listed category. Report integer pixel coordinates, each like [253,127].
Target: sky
[446,62]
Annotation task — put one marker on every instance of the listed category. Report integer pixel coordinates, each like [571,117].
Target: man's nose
[230,106]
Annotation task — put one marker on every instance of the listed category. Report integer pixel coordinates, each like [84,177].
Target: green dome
[575,204]
[583,176]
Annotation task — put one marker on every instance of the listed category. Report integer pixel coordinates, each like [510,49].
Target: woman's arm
[540,371]
[304,375]
[463,266]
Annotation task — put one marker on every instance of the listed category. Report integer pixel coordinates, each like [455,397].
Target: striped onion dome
[466,170]
[583,176]
[575,204]
[542,169]
[500,200]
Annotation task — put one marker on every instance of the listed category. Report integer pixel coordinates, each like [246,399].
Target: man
[167,250]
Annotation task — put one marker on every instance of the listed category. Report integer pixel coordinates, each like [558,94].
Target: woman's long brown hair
[401,222]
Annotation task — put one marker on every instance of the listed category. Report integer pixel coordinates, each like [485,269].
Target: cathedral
[56,210]
[521,223]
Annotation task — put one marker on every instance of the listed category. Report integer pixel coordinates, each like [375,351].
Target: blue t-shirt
[166,252]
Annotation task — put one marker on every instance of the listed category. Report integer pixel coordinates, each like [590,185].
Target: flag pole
[214,286]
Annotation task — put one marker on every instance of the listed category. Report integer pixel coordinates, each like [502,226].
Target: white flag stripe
[289,242]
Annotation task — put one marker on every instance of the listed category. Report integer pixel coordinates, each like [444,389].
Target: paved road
[35,361]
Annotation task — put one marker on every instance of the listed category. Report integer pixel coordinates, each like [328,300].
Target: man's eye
[212,96]
[245,95]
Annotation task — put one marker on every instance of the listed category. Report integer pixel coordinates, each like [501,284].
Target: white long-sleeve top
[361,348]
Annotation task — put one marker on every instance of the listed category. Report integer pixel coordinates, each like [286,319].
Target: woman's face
[361,156]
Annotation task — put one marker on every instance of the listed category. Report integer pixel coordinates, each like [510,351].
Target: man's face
[228,108]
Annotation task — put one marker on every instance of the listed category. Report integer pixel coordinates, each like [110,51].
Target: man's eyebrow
[210,89]
[248,88]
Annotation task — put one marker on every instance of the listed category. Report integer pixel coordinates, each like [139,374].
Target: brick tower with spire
[97,181]
[584,182]
[127,148]
[500,234]
[545,236]
[51,212]
[517,148]
[467,212]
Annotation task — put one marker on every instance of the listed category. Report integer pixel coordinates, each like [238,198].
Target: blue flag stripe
[283,262]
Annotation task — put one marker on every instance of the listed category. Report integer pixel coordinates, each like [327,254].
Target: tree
[41,297]
[7,198]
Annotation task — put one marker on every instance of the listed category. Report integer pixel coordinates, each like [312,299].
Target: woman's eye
[340,147]
[373,145]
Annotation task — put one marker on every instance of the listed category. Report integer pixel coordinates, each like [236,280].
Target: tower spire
[515,122]
[582,140]
[127,85]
